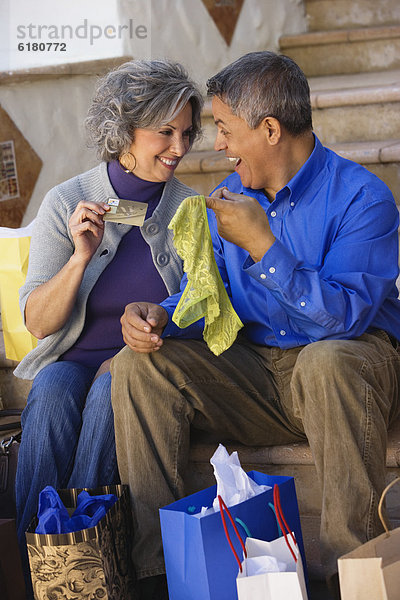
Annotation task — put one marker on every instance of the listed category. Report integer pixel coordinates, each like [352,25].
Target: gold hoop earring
[123,166]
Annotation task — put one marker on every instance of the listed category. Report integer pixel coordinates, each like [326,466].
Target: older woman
[83,272]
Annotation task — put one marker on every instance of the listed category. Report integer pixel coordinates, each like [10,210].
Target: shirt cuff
[170,330]
[193,331]
[275,269]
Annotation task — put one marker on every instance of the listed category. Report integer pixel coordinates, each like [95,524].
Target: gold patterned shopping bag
[88,564]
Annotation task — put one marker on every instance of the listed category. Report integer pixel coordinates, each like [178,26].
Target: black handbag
[10,421]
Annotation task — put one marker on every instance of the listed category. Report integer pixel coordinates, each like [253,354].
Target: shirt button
[272,269]
[302,303]
[282,332]
[273,213]
[292,204]
[263,276]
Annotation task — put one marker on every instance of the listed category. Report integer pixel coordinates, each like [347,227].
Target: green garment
[205,294]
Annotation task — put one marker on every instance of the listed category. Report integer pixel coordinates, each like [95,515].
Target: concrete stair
[345,51]
[358,116]
[342,14]
[347,37]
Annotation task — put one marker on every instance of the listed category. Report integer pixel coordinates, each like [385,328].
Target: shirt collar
[307,173]
[301,180]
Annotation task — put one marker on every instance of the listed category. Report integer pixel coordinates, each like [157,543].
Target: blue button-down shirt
[330,274]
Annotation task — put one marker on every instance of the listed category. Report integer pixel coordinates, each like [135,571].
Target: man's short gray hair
[261,84]
[139,94]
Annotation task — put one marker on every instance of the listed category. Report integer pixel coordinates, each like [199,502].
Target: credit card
[128,212]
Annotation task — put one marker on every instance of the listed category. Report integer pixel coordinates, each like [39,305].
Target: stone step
[344,109]
[204,170]
[345,51]
[349,113]
[342,14]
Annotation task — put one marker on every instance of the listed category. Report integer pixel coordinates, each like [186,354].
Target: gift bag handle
[279,515]
[222,507]
[380,505]
[282,521]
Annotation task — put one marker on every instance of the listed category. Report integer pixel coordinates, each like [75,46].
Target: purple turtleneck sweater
[131,276]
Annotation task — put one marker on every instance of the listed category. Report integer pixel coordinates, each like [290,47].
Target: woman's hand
[242,221]
[87,227]
[142,325]
[50,304]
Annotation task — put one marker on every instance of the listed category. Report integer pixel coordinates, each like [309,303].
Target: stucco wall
[50,113]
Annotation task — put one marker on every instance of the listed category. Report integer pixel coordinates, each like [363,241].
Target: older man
[306,243]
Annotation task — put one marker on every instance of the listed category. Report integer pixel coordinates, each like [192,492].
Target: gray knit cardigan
[52,246]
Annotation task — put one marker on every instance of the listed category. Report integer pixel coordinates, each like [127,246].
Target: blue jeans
[68,436]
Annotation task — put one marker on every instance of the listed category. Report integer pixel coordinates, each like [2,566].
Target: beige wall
[50,112]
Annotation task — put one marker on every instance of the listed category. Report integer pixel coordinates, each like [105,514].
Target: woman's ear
[272,130]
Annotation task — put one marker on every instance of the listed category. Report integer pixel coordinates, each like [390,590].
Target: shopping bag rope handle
[380,505]
[272,507]
[282,521]
[222,507]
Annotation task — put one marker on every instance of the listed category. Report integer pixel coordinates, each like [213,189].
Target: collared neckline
[300,181]
[307,173]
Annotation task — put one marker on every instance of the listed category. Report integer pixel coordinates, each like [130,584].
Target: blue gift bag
[199,563]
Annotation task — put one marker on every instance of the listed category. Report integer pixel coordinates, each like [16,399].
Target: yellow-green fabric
[205,294]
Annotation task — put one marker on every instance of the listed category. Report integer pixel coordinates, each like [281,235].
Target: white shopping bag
[270,572]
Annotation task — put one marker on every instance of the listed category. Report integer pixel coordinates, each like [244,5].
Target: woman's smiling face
[158,151]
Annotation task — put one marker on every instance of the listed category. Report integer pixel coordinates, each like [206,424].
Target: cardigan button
[152,228]
[162,259]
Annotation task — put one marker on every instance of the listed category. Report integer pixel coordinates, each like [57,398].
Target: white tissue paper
[263,564]
[233,483]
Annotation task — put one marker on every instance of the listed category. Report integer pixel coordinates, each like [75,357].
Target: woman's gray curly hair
[139,94]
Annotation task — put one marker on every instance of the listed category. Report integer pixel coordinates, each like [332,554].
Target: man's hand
[142,325]
[242,221]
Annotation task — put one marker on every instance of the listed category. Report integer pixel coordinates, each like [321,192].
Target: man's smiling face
[248,146]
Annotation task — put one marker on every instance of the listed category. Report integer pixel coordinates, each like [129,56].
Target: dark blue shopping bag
[199,563]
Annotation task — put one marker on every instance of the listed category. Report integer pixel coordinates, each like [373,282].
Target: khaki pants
[339,395]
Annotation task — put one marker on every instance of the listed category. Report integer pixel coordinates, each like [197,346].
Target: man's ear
[272,129]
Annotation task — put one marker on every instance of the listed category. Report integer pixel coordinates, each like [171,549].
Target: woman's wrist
[79,262]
